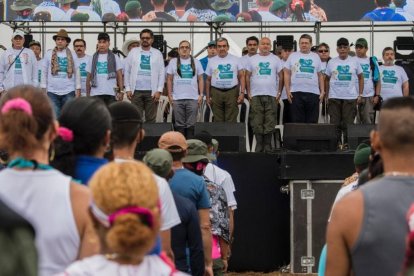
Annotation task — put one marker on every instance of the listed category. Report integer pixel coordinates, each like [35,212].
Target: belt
[225,89]
[142,91]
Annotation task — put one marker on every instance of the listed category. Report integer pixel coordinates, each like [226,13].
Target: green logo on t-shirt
[225,71]
[343,73]
[186,71]
[82,69]
[365,70]
[389,76]
[305,66]
[63,64]
[18,64]
[145,62]
[264,68]
[102,68]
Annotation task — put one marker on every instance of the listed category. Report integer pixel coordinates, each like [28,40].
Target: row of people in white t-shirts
[304,69]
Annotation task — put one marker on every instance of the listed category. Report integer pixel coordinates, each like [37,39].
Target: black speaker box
[153,131]
[309,137]
[358,133]
[231,136]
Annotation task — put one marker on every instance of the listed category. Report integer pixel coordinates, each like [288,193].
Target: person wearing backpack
[372,84]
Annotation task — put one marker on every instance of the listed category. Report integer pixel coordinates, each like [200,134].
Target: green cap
[160,161]
[132,5]
[361,42]
[21,5]
[278,4]
[197,151]
[362,154]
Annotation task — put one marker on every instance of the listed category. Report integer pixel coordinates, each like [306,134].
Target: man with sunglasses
[144,76]
[324,55]
[343,73]
[372,86]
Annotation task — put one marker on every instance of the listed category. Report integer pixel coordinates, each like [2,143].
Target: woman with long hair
[50,201]
[89,124]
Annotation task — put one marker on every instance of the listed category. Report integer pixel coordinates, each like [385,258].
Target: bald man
[264,79]
[368,227]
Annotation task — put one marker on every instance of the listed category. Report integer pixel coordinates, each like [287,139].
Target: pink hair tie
[17,104]
[146,213]
[66,134]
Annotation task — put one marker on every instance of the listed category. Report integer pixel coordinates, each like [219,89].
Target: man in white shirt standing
[304,83]
[144,74]
[346,86]
[225,83]
[79,45]
[264,80]
[394,80]
[37,50]
[18,65]
[104,78]
[59,72]
[372,87]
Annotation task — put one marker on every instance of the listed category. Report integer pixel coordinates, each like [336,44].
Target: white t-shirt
[245,61]
[18,70]
[169,213]
[392,79]
[186,86]
[104,86]
[83,63]
[323,66]
[367,73]
[343,78]
[99,265]
[264,74]
[304,69]
[224,179]
[224,71]
[144,72]
[60,84]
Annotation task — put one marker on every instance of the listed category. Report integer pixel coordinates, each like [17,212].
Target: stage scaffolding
[216,29]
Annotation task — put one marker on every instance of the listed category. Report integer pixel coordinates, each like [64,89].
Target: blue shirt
[383,14]
[191,186]
[86,166]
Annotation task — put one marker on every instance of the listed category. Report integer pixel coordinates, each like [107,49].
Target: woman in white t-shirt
[126,214]
[55,206]
[185,86]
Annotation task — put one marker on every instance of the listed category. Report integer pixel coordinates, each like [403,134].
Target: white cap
[18,33]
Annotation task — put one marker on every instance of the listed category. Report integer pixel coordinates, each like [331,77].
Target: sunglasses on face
[323,51]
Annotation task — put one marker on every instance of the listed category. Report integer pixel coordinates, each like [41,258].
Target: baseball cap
[362,154]
[103,36]
[18,33]
[211,43]
[132,5]
[342,41]
[172,139]
[197,151]
[159,160]
[361,42]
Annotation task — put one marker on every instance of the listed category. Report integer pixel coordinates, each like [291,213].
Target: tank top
[43,198]
[380,247]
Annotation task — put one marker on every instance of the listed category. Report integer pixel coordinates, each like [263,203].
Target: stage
[263,230]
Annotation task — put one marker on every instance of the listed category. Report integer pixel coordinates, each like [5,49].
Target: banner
[209,10]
